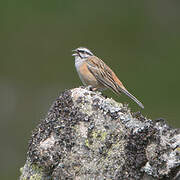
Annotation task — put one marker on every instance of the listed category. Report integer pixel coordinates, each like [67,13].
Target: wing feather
[107,77]
[102,73]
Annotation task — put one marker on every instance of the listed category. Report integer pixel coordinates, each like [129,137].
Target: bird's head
[82,53]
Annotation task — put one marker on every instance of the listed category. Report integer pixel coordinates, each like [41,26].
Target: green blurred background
[140,40]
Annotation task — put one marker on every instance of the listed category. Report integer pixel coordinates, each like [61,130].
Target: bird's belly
[86,76]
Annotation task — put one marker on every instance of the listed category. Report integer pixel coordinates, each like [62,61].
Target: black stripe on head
[85,50]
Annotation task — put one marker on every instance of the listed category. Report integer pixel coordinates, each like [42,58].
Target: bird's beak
[74,52]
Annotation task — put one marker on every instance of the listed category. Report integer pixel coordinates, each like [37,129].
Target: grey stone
[87,136]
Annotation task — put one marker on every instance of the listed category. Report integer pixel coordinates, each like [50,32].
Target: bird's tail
[131,96]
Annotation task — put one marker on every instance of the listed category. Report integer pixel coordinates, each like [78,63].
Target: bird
[94,72]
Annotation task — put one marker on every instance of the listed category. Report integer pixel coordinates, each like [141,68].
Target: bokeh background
[140,40]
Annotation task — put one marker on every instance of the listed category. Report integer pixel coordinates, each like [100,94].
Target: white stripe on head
[85,50]
[82,52]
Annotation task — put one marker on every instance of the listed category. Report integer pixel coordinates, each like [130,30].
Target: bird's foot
[90,88]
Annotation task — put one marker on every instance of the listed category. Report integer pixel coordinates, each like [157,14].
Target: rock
[88,136]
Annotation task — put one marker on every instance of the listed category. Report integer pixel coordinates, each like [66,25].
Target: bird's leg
[93,89]
[90,88]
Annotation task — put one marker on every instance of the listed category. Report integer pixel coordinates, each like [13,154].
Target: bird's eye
[81,51]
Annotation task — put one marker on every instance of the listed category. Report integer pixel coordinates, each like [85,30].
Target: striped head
[82,53]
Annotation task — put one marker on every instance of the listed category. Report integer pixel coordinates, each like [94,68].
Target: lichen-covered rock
[88,136]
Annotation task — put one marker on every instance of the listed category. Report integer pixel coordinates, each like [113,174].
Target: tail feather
[132,97]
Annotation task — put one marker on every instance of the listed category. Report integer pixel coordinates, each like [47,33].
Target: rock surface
[88,136]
